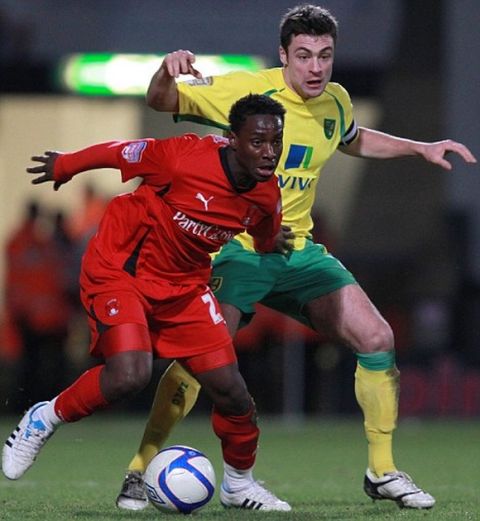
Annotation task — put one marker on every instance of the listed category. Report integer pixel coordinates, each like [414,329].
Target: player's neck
[236,174]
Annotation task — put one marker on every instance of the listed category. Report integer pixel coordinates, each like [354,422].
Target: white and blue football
[180,479]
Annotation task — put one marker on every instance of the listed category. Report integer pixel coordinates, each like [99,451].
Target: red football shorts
[188,327]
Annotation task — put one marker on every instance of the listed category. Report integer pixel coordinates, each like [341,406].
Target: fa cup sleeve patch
[132,153]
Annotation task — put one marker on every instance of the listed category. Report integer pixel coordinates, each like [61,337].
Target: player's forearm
[162,93]
[102,155]
[378,145]
[265,234]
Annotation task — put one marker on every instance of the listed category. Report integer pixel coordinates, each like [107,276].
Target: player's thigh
[242,278]
[349,316]
[310,273]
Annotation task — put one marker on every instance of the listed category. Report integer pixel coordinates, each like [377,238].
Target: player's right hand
[181,62]
[46,167]
[284,240]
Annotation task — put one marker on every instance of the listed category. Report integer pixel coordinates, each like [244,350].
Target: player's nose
[315,66]
[268,151]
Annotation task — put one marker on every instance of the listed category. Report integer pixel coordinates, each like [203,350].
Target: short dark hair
[252,105]
[307,19]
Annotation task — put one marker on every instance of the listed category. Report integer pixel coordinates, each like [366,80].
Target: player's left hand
[436,152]
[283,241]
[46,167]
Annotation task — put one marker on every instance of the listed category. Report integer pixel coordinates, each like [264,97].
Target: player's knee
[381,339]
[129,379]
[240,402]
[233,400]
[132,382]
[227,390]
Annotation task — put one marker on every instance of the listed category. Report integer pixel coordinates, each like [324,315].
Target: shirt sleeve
[349,130]
[350,135]
[153,160]
[208,100]
[101,155]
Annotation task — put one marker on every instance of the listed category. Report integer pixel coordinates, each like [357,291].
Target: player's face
[308,64]
[258,147]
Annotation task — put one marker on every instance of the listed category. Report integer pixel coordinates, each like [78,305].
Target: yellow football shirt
[313,130]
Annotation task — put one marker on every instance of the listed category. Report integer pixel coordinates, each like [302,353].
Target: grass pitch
[317,466]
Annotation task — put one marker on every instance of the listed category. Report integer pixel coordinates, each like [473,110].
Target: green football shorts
[282,282]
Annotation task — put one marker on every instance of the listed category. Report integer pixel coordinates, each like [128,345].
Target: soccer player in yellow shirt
[310,284]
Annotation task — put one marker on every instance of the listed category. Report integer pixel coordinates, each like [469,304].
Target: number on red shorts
[216,317]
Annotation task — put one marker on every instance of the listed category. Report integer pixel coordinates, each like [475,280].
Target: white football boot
[133,495]
[253,497]
[23,445]
[399,487]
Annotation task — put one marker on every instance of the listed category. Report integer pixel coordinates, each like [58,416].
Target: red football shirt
[186,207]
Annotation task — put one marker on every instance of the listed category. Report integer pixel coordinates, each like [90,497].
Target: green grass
[318,467]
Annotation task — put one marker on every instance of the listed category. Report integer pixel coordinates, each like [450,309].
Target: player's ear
[232,140]
[283,55]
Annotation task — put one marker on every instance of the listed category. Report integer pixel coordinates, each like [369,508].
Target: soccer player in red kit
[145,273]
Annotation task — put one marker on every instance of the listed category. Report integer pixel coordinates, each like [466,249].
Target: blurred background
[409,231]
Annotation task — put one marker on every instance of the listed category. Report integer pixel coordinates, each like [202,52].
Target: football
[180,479]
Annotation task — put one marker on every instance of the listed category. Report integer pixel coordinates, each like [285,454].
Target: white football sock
[236,479]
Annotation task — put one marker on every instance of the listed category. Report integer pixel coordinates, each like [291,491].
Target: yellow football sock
[176,394]
[377,394]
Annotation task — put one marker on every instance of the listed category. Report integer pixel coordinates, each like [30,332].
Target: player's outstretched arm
[61,167]
[378,145]
[162,93]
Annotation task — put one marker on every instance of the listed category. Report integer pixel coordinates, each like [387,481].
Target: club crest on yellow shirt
[329,127]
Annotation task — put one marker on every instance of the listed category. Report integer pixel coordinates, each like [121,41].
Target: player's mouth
[265,171]
[314,84]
